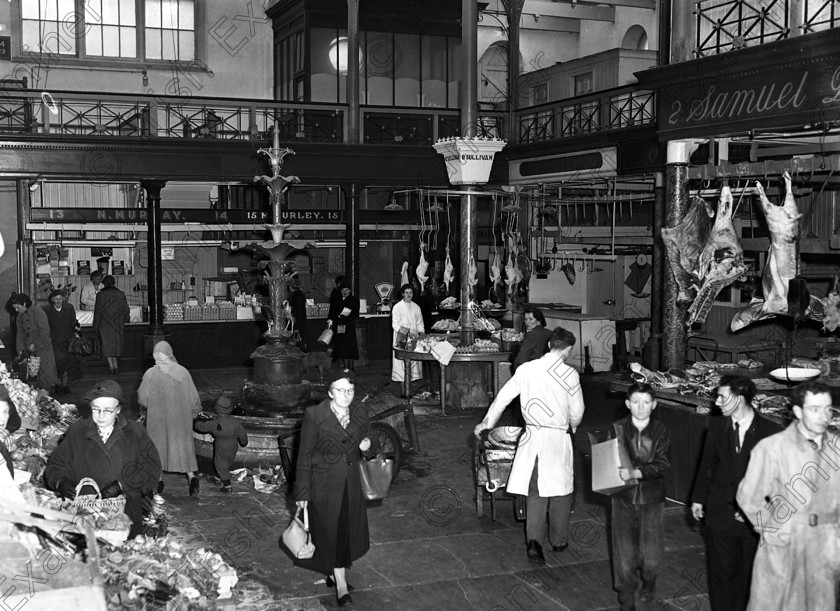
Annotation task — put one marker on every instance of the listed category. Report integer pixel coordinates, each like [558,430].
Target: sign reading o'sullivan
[469,160]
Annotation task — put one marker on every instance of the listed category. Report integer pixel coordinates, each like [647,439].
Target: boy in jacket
[228,434]
[636,517]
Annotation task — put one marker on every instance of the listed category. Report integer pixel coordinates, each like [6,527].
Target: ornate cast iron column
[156,331]
[513,8]
[675,336]
[657,279]
[682,32]
[353,102]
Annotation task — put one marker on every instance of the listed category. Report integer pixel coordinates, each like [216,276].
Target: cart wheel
[389,442]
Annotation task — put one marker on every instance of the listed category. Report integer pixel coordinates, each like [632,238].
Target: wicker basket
[94,504]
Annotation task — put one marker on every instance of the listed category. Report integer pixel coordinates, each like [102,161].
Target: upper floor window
[124,29]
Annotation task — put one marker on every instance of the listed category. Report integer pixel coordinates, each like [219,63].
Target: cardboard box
[607,457]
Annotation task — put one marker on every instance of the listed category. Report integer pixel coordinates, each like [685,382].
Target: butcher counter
[687,417]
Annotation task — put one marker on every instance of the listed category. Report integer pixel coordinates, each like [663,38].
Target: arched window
[636,39]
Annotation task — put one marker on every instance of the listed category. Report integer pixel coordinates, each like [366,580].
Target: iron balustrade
[67,113]
[727,25]
[619,108]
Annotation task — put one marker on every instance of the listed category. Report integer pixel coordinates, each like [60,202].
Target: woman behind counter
[535,341]
[110,314]
[331,489]
[33,334]
[63,326]
[342,316]
[171,399]
[406,313]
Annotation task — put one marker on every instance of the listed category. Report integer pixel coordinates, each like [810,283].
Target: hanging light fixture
[394,205]
[338,54]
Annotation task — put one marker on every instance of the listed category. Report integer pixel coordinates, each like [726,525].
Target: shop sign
[469,160]
[790,83]
[140,215]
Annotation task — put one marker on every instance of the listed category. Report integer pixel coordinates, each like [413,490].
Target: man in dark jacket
[637,525]
[297,302]
[726,454]
[116,453]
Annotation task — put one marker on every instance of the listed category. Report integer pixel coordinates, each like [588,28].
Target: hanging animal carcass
[782,263]
[704,256]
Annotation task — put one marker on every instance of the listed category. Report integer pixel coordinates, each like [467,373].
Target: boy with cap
[115,452]
[228,434]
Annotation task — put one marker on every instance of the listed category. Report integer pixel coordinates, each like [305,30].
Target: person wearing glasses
[115,452]
[334,435]
[790,496]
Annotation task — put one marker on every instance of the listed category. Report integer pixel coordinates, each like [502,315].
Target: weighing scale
[384,290]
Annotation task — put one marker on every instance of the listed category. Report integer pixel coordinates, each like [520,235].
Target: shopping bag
[607,457]
[83,345]
[296,537]
[326,337]
[376,475]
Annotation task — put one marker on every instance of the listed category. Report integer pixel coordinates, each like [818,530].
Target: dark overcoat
[109,317]
[328,460]
[62,329]
[129,457]
[345,345]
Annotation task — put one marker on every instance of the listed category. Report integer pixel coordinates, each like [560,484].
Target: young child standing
[228,434]
[637,512]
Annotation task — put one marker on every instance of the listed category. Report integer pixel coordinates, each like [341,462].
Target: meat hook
[591,268]
[582,267]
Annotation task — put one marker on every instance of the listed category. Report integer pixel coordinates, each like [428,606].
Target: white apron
[406,315]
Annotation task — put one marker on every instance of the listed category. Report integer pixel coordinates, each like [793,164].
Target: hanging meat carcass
[472,280]
[721,261]
[448,270]
[404,274]
[704,256]
[683,245]
[512,277]
[422,267]
[496,277]
[782,263]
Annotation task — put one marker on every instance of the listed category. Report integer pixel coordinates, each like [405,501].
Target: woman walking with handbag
[33,334]
[330,489]
[343,314]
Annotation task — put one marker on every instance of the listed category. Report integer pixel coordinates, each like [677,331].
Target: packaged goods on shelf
[192,312]
[227,310]
[174,311]
[209,311]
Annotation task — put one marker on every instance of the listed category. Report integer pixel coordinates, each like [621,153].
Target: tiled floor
[429,550]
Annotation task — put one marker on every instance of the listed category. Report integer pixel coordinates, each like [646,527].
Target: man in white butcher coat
[543,468]
[407,314]
[791,496]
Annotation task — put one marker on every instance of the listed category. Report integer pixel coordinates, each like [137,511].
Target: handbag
[376,475]
[326,337]
[87,345]
[296,537]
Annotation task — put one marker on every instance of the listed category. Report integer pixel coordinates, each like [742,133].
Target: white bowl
[795,374]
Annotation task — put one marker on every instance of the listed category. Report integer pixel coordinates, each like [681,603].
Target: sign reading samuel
[789,83]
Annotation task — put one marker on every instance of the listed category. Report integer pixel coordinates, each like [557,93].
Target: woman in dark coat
[342,316]
[330,488]
[33,334]
[109,317]
[63,326]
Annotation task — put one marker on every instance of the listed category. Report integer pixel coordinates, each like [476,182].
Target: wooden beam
[814,246]
[648,4]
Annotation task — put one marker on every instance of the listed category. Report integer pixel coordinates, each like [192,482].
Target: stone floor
[429,549]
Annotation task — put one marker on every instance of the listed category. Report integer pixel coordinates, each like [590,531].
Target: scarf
[165,361]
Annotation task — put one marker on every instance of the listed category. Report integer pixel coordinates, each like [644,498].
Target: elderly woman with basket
[328,482]
[33,336]
[114,452]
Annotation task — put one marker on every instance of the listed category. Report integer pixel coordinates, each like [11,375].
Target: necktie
[736,428]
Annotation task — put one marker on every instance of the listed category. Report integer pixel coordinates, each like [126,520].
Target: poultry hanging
[404,274]
[422,267]
[448,271]
[496,274]
[512,276]
[473,277]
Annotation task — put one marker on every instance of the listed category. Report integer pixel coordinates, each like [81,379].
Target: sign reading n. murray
[793,83]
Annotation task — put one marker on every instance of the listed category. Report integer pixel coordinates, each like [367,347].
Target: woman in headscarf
[171,400]
[110,314]
[63,326]
[33,334]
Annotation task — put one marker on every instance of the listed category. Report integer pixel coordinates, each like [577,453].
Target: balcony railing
[726,25]
[613,109]
[56,114]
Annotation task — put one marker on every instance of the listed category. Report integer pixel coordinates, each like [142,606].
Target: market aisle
[429,551]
